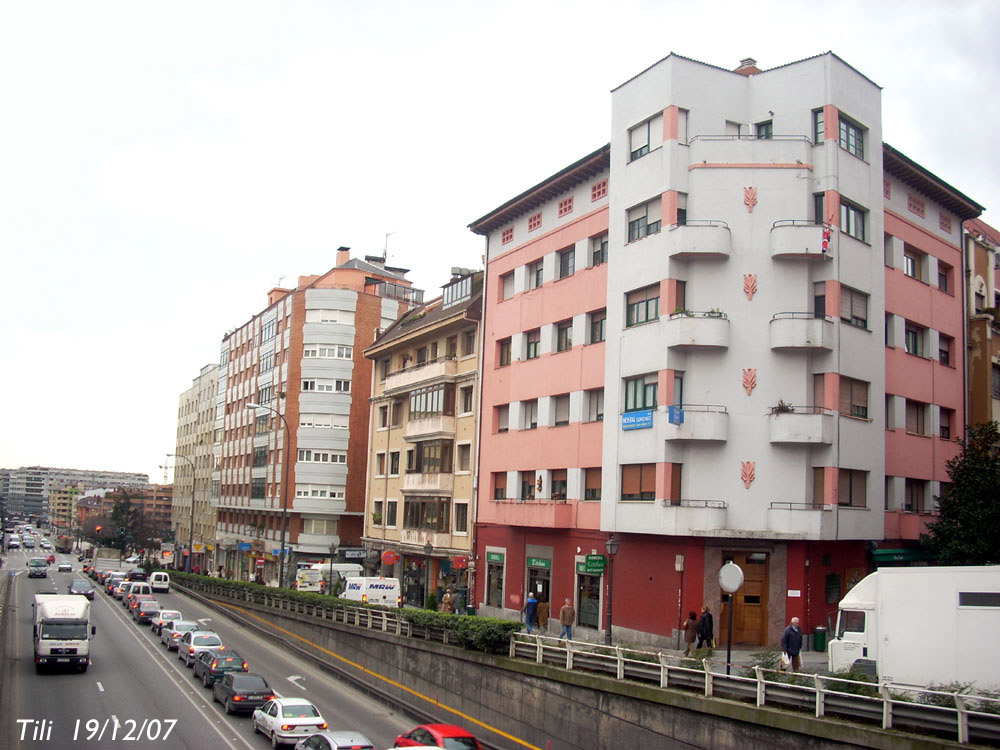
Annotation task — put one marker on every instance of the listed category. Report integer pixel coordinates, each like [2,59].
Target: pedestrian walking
[791,645]
[706,628]
[530,611]
[567,618]
[690,633]
[458,602]
[447,603]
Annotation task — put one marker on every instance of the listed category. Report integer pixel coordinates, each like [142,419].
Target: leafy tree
[967,531]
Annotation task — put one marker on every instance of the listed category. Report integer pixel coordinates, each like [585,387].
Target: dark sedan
[83,587]
[145,610]
[240,691]
[210,666]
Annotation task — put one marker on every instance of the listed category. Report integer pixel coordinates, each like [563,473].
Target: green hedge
[487,634]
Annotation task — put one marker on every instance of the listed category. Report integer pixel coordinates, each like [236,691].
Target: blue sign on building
[675,415]
[243,546]
[637,420]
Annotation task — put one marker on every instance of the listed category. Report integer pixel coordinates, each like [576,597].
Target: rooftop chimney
[748,67]
[343,255]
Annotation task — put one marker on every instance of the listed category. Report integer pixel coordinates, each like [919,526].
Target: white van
[307,579]
[159,581]
[341,572]
[384,591]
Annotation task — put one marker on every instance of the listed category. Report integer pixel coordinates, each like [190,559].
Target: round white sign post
[730,581]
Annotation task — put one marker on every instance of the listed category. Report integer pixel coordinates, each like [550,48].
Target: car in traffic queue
[45,544]
[119,587]
[172,631]
[135,588]
[37,568]
[193,642]
[145,610]
[287,720]
[160,581]
[242,692]
[164,616]
[28,542]
[13,543]
[137,576]
[211,665]
[110,582]
[343,739]
[50,559]
[64,567]
[81,587]
[134,602]
[449,736]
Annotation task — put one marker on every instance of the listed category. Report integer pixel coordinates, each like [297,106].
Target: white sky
[162,165]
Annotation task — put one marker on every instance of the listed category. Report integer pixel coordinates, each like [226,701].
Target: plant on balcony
[715,313]
[682,311]
[377,518]
[782,408]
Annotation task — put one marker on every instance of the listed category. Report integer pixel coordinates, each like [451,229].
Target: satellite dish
[731,577]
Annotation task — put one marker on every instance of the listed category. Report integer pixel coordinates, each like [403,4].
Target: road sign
[595,564]
[260,562]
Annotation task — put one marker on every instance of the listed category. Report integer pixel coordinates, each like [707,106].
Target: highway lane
[134,677]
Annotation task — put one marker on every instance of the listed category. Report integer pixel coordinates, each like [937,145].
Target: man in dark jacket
[791,644]
[530,611]
[706,628]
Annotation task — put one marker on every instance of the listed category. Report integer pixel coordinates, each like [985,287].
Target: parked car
[287,720]
[64,567]
[194,642]
[241,691]
[165,615]
[338,740]
[172,632]
[211,665]
[83,587]
[144,610]
[450,736]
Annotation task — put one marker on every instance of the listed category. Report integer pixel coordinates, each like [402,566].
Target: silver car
[172,632]
[194,642]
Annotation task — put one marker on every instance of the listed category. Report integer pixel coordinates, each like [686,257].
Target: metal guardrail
[888,706]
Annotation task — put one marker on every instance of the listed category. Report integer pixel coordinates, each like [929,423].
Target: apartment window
[328,352]
[853,397]
[527,485]
[503,352]
[461,518]
[500,485]
[819,131]
[529,414]
[422,355]
[324,421]
[765,130]
[535,274]
[561,409]
[852,220]
[640,392]
[819,299]
[258,486]
[592,483]
[645,137]
[916,417]
[502,417]
[890,418]
[534,221]
[852,488]
[463,458]
[945,345]
[914,337]
[427,513]
[467,402]
[267,362]
[644,220]
[558,484]
[566,206]
[260,456]
[945,418]
[451,347]
[598,190]
[394,463]
[263,394]
[564,335]
[642,305]
[468,342]
[379,464]
[913,261]
[914,492]
[430,457]
[944,277]
[996,381]
[432,401]
[396,415]
[854,307]
[595,405]
[322,457]
[532,344]
[506,286]
[383,369]
[599,250]
[639,482]
[890,333]
[327,386]
[597,320]
[852,137]
[267,331]
[819,208]
[916,205]
[567,262]
[330,316]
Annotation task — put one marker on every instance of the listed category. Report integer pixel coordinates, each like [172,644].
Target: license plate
[62,660]
[256,697]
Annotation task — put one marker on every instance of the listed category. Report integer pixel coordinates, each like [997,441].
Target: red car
[50,559]
[447,736]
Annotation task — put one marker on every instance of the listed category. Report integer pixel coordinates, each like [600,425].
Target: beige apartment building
[62,509]
[193,464]
[420,506]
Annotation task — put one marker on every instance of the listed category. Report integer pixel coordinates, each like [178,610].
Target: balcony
[748,151]
[901,524]
[429,428]
[802,520]
[420,537]
[419,374]
[699,239]
[801,424]
[687,329]
[697,422]
[693,517]
[801,330]
[439,483]
[545,514]
[804,240]
[317,505]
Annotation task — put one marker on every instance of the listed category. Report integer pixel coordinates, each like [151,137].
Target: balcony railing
[697,422]
[801,424]
[699,238]
[796,238]
[685,328]
[430,482]
[421,372]
[801,330]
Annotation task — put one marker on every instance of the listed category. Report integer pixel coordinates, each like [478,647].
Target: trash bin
[819,639]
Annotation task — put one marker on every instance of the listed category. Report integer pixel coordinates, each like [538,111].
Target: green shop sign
[539,562]
[496,557]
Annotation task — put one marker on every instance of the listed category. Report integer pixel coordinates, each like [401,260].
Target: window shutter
[845,303]
[859,494]
[593,479]
[636,213]
[647,481]
[562,409]
[630,479]
[653,211]
[845,395]
[656,132]
[503,413]
[639,137]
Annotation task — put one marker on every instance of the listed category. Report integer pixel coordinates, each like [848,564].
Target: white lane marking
[100,687]
[204,620]
[294,679]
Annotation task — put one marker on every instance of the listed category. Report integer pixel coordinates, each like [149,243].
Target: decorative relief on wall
[749,379]
[747,473]
[750,198]
[750,285]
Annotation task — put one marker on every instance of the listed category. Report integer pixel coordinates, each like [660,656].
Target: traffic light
[97,529]
[121,531]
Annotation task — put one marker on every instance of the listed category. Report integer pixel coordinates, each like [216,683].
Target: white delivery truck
[922,626]
[307,579]
[341,572]
[108,558]
[62,631]
[370,590]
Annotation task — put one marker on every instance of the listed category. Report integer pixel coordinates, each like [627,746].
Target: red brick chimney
[748,67]
[343,255]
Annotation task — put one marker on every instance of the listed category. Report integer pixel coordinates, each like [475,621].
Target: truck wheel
[83,667]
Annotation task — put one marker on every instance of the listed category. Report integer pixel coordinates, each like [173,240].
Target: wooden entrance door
[750,612]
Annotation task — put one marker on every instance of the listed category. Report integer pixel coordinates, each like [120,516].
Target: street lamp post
[191,530]
[611,545]
[334,545]
[284,488]
[428,549]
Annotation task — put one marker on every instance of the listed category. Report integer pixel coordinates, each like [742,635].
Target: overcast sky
[162,165]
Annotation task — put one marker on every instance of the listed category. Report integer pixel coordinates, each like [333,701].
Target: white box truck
[370,590]
[61,631]
[922,626]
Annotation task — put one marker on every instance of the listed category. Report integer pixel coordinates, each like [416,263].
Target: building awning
[885,556]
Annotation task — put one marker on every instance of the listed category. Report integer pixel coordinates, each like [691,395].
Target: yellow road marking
[364,670]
